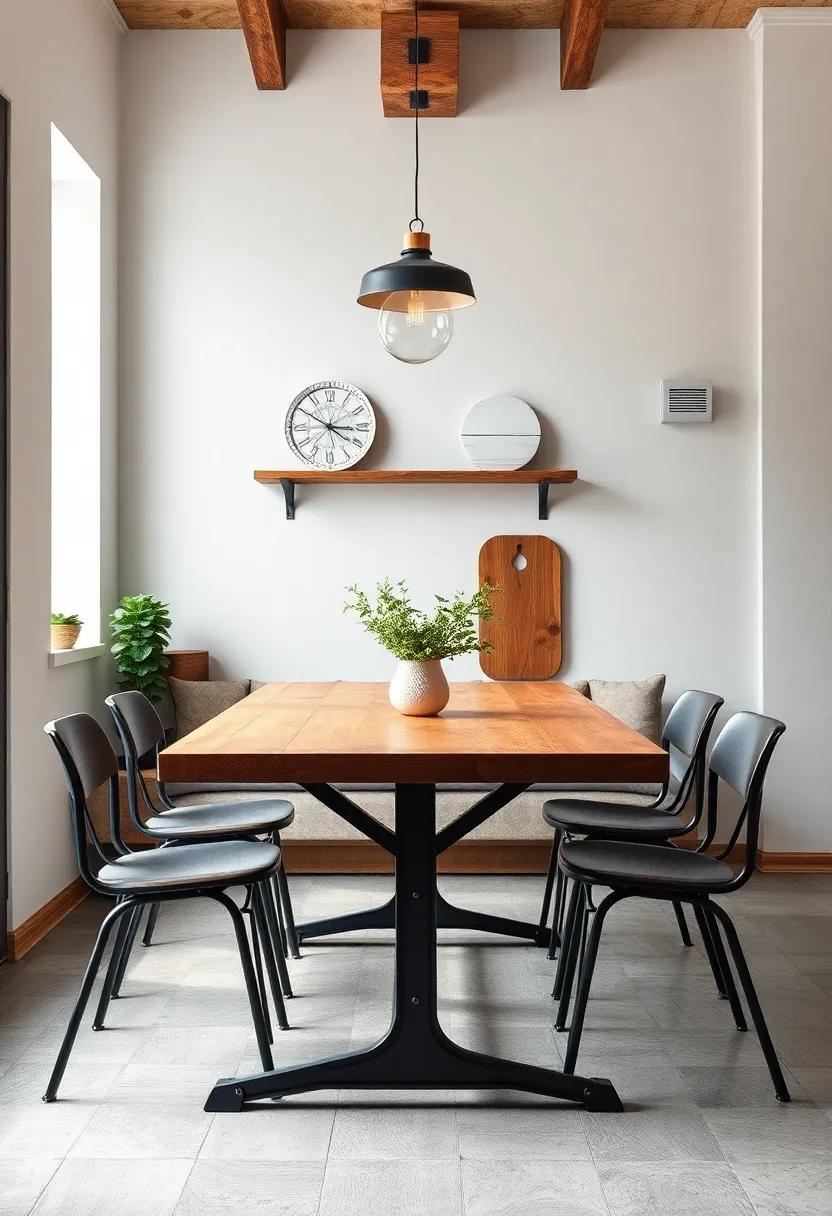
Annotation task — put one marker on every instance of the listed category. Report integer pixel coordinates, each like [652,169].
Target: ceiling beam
[581,27]
[264,26]
[438,73]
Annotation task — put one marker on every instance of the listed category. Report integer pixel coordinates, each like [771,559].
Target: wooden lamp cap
[416,240]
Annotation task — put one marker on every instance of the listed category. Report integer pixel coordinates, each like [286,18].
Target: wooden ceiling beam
[264,27]
[438,77]
[580,33]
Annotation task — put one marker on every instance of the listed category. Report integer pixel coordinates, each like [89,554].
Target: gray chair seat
[641,865]
[587,818]
[222,819]
[234,862]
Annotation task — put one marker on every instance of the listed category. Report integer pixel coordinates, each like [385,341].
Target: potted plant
[140,628]
[420,641]
[64,630]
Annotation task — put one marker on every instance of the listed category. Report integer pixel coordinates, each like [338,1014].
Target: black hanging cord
[417,219]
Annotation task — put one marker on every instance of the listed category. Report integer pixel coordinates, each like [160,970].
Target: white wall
[795,86]
[58,63]
[611,242]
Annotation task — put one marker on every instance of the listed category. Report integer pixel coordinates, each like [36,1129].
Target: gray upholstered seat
[221,865]
[642,865]
[222,819]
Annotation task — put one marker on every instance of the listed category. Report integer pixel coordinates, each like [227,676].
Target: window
[76,388]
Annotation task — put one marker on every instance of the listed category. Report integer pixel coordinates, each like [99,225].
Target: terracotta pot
[419,689]
[64,637]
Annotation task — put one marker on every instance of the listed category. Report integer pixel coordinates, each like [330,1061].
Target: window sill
[59,658]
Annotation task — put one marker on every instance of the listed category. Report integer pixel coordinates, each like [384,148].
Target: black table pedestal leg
[415,1053]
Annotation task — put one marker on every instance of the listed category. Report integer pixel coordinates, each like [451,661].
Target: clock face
[330,425]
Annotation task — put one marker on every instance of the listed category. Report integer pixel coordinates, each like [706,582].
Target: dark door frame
[5,113]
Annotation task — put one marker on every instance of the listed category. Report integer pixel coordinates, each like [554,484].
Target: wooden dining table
[508,735]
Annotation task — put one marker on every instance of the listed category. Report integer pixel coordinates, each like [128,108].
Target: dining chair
[136,880]
[740,758]
[141,731]
[685,737]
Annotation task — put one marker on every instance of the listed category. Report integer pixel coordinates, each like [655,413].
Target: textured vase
[419,689]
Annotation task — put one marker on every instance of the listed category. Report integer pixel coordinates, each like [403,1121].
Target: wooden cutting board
[526,628]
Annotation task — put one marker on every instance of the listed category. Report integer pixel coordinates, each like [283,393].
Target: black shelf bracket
[543,498]
[289,495]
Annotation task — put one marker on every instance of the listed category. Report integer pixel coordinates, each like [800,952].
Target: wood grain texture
[264,27]
[418,476]
[21,940]
[525,631]
[188,664]
[439,76]
[308,732]
[473,14]
[582,24]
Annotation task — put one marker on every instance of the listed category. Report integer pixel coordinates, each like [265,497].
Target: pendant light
[415,296]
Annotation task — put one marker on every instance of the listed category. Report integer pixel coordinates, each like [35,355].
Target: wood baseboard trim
[497,857]
[21,940]
[794,863]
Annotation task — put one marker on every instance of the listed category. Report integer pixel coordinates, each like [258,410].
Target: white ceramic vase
[419,689]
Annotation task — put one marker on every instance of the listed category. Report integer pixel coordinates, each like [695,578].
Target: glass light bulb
[410,331]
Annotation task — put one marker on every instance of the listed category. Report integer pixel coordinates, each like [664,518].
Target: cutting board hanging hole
[518,561]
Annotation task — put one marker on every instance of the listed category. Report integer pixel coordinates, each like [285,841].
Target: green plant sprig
[140,627]
[63,618]
[415,636]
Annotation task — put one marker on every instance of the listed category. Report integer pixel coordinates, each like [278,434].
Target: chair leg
[112,972]
[284,903]
[258,968]
[727,975]
[556,936]
[572,952]
[119,911]
[249,977]
[566,937]
[271,955]
[550,881]
[780,1087]
[707,941]
[585,982]
[152,917]
[273,928]
[682,923]
[126,951]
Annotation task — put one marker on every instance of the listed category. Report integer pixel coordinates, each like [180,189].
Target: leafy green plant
[416,636]
[61,618]
[140,628]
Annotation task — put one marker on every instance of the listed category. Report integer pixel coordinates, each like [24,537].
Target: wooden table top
[343,731]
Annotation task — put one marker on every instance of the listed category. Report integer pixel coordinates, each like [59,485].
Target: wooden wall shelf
[542,478]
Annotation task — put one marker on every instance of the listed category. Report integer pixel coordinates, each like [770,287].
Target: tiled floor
[702,1133]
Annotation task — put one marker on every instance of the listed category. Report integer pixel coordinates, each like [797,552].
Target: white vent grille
[687,400]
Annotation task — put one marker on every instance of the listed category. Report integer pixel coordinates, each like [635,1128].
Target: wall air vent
[687,400]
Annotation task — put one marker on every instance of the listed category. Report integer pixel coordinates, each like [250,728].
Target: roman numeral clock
[330,425]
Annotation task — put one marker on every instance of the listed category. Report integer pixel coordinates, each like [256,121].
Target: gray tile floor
[702,1132]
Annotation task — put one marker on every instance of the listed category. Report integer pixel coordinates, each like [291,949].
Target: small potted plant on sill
[420,641]
[64,630]
[140,627]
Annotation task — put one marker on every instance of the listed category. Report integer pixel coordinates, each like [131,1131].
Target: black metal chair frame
[279,899]
[129,907]
[583,945]
[692,781]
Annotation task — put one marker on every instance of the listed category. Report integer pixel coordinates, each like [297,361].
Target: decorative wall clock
[500,433]
[330,425]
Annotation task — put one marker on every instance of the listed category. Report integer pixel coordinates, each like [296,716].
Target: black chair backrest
[686,731]
[88,761]
[741,758]
[140,730]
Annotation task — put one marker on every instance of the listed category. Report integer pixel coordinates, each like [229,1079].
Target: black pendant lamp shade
[442,287]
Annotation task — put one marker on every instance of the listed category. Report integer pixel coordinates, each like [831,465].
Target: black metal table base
[415,1053]
[448,916]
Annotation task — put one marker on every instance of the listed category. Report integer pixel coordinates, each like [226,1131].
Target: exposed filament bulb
[416,308]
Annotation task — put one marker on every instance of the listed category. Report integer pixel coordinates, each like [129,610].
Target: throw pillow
[198,701]
[638,703]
